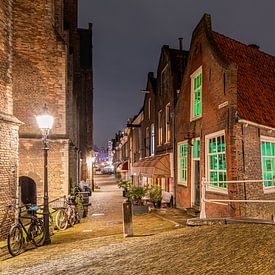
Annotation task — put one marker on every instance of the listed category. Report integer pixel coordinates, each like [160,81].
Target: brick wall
[213,118]
[8,123]
[248,144]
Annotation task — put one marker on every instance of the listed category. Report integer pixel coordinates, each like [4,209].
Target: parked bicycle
[19,234]
[67,215]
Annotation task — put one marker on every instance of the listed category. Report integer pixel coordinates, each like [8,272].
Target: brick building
[225,119]
[9,125]
[53,66]
[157,136]
[45,59]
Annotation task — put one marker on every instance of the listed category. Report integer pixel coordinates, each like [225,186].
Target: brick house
[9,124]
[156,165]
[53,66]
[225,119]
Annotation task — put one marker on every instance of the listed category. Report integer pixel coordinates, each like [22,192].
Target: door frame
[193,193]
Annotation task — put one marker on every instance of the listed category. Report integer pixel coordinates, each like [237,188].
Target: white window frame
[192,77]
[209,187]
[160,129]
[167,122]
[266,189]
[184,183]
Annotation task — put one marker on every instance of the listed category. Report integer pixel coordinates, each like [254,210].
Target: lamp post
[45,123]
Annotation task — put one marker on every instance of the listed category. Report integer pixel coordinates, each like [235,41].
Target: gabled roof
[178,59]
[255,78]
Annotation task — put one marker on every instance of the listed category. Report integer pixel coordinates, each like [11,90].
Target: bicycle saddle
[33,208]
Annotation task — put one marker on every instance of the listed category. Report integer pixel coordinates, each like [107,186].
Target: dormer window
[196,94]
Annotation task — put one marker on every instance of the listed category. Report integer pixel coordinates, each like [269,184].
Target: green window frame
[196,79]
[217,161]
[268,162]
[182,163]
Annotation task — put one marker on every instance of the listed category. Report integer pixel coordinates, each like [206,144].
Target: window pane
[212,145]
[263,148]
[268,149]
[273,149]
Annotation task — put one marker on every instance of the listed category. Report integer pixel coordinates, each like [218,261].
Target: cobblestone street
[96,246]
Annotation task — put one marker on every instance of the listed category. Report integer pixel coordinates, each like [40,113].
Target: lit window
[152,140]
[196,94]
[147,142]
[216,160]
[182,163]
[160,127]
[268,162]
[167,124]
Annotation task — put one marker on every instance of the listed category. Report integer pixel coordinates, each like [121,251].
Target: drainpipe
[174,157]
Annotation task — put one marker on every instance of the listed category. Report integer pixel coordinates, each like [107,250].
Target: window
[164,80]
[268,162]
[167,124]
[196,148]
[149,108]
[160,127]
[147,142]
[152,140]
[216,160]
[196,94]
[182,163]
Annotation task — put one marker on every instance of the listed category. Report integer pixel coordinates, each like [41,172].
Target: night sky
[128,36]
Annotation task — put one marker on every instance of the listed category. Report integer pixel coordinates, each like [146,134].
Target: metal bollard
[127,219]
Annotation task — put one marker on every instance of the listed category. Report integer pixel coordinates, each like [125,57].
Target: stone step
[193,211]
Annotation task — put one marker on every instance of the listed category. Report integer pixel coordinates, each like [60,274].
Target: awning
[123,166]
[156,166]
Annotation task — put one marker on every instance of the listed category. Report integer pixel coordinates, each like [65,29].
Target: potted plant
[135,195]
[126,185]
[156,195]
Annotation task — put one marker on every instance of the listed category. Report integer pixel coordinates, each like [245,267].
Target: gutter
[268,128]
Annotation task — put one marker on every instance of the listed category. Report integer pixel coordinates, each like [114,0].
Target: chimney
[180,43]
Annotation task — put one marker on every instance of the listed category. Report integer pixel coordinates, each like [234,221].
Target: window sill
[269,190]
[183,184]
[218,190]
[195,118]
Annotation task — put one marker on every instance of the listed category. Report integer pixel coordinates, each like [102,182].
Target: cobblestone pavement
[157,247]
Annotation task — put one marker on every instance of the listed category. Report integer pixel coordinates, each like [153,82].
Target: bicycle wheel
[61,219]
[15,240]
[37,232]
[72,218]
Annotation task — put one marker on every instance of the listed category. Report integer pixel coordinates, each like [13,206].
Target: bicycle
[67,215]
[34,234]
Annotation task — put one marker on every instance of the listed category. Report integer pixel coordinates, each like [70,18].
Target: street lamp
[45,123]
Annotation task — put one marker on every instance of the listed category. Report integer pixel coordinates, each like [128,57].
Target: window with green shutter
[268,163]
[196,96]
[217,161]
[182,163]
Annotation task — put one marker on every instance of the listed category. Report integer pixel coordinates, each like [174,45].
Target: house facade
[225,126]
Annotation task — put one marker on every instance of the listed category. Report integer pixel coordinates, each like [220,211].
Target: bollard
[127,219]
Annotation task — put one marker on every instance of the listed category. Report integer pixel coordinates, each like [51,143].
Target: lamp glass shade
[45,121]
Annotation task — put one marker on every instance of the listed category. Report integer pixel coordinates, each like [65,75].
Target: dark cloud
[128,35]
